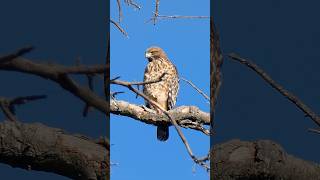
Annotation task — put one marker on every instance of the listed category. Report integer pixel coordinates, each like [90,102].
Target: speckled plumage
[164,92]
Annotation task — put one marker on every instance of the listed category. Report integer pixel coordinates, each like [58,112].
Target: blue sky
[135,148]
[61,31]
[282,37]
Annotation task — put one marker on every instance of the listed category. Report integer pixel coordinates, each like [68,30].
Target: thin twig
[8,105]
[113,94]
[5,109]
[196,88]
[162,17]
[120,28]
[294,99]
[181,17]
[23,100]
[130,2]
[119,9]
[173,122]
[156,12]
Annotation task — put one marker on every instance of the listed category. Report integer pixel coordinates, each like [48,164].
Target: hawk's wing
[173,90]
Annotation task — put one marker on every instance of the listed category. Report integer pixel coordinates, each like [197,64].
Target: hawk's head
[154,53]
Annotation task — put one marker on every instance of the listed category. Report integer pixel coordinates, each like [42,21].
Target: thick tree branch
[186,116]
[261,159]
[38,147]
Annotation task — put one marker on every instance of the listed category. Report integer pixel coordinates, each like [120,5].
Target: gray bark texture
[35,146]
[262,159]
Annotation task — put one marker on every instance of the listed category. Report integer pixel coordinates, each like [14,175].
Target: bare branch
[4,104]
[163,17]
[59,74]
[135,5]
[8,105]
[261,159]
[24,146]
[119,9]
[156,12]
[18,53]
[119,28]
[181,17]
[294,99]
[186,116]
[196,88]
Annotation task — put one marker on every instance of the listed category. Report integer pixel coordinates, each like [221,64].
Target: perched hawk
[164,92]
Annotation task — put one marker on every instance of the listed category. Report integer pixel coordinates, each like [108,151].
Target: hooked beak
[148,55]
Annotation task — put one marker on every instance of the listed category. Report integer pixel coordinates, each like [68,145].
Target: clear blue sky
[61,31]
[283,37]
[135,148]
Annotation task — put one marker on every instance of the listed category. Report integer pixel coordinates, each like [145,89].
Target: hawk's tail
[163,132]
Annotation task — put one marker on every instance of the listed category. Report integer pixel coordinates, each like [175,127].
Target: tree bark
[38,147]
[262,159]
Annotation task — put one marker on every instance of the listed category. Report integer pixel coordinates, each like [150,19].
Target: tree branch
[119,28]
[8,105]
[262,159]
[38,147]
[197,89]
[60,75]
[294,99]
[186,116]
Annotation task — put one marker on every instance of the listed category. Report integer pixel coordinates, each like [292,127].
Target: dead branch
[156,12]
[42,148]
[262,159]
[18,53]
[119,28]
[8,105]
[132,3]
[294,99]
[186,116]
[60,75]
[196,88]
[163,17]
[181,17]
[120,10]
[173,121]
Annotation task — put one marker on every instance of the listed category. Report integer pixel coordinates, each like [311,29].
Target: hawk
[165,91]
